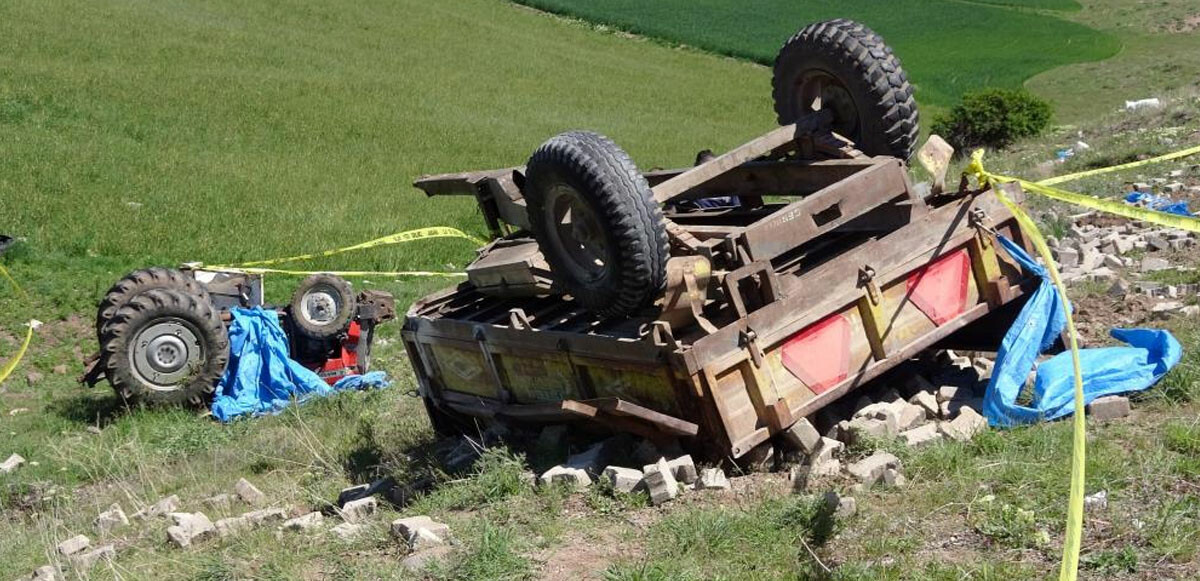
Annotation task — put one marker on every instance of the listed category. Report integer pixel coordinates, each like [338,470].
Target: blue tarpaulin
[1106,370]
[262,378]
[1160,203]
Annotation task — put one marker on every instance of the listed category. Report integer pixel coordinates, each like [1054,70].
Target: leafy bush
[993,118]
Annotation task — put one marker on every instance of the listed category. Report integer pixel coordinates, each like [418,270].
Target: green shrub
[993,118]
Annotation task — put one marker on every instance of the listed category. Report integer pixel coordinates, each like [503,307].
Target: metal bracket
[871,309]
[749,340]
[518,320]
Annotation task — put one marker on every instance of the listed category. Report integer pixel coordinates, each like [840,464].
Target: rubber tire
[888,120]
[633,223]
[144,309]
[340,323]
[140,281]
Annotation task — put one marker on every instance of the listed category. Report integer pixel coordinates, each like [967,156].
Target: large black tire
[165,347]
[858,78]
[322,306]
[140,281]
[596,222]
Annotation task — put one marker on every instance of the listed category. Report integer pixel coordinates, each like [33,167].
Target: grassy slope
[248,131]
[1154,60]
[296,126]
[947,47]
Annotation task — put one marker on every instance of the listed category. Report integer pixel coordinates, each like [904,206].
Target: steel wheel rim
[165,353]
[818,90]
[576,229]
[320,305]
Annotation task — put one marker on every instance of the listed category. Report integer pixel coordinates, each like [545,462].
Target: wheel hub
[818,90]
[320,306]
[165,352]
[578,231]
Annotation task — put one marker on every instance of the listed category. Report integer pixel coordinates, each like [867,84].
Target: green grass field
[947,46]
[135,133]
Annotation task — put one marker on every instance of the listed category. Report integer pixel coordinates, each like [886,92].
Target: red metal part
[820,355]
[345,364]
[940,289]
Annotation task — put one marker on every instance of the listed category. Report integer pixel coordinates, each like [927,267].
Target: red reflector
[820,355]
[940,289]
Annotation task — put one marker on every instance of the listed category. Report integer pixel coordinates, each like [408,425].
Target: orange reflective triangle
[820,354]
[940,289]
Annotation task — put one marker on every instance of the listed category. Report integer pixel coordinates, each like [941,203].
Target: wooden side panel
[464,369]
[537,379]
[905,322]
[649,389]
[738,412]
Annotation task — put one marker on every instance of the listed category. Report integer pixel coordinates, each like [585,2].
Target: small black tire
[611,255]
[165,347]
[140,281]
[322,306]
[852,68]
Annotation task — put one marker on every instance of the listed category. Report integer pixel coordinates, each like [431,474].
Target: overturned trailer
[721,303]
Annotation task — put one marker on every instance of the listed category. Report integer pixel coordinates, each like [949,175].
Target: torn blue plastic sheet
[1106,370]
[1159,203]
[262,379]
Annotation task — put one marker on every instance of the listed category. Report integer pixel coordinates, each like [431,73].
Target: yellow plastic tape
[12,364]
[1110,206]
[1092,172]
[398,238]
[1073,542]
[343,273]
[20,291]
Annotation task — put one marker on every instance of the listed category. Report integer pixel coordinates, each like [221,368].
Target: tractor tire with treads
[322,306]
[857,76]
[140,281]
[165,347]
[595,220]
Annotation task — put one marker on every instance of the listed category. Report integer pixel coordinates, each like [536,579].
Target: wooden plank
[664,422]
[461,183]
[548,412]
[723,163]
[825,210]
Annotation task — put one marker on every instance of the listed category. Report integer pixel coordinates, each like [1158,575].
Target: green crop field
[947,46]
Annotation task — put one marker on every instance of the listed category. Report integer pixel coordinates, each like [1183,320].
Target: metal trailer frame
[772,311]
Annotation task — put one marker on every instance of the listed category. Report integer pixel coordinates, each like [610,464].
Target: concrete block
[111,519]
[870,470]
[85,561]
[927,402]
[249,493]
[74,545]
[684,469]
[921,435]
[908,415]
[965,426]
[576,478]
[12,463]
[303,523]
[359,510]
[712,479]
[661,483]
[407,528]
[802,436]
[625,480]
[1108,408]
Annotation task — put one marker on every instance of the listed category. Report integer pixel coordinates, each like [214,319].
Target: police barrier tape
[33,324]
[1092,172]
[255,266]
[1071,545]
